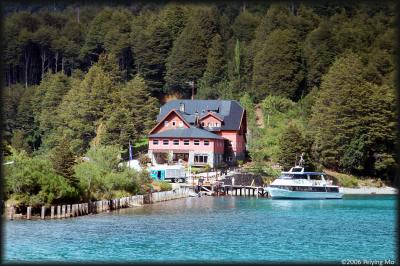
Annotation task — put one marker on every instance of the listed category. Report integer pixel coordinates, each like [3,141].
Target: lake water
[215,229]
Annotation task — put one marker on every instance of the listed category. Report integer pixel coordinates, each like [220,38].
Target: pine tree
[133,114]
[63,161]
[84,105]
[48,97]
[151,54]
[188,58]
[216,66]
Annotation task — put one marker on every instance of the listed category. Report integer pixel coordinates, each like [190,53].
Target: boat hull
[278,193]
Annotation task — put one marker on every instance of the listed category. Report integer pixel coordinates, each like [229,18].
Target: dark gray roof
[227,110]
[192,132]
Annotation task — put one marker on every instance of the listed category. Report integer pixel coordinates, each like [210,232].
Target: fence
[80,209]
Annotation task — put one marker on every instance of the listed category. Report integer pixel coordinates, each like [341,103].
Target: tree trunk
[62,64]
[78,15]
[56,58]
[27,58]
[43,57]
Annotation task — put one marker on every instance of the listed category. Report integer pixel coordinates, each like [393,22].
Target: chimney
[182,107]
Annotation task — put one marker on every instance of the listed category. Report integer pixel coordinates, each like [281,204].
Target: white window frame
[173,123]
[196,141]
[174,142]
[165,141]
[166,123]
[186,142]
[206,142]
[199,158]
[180,124]
[155,141]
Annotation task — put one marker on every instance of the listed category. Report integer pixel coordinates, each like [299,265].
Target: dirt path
[259,117]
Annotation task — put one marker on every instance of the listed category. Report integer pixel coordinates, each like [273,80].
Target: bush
[33,181]
[164,186]
[101,178]
[343,180]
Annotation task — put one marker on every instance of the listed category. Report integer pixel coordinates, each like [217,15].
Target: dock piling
[43,212]
[29,213]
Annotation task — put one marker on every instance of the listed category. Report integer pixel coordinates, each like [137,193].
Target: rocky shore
[370,190]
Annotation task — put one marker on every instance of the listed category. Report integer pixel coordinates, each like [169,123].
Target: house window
[173,123]
[196,142]
[186,142]
[217,124]
[176,141]
[165,142]
[165,123]
[206,142]
[209,124]
[229,159]
[180,124]
[202,124]
[155,141]
[230,144]
[199,158]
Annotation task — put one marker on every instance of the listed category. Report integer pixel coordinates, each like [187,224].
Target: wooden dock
[232,190]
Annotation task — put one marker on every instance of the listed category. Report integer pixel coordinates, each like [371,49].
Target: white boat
[297,184]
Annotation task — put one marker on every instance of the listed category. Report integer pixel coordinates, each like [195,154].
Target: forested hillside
[322,74]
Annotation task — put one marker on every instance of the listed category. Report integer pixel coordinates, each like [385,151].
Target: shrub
[164,186]
[33,181]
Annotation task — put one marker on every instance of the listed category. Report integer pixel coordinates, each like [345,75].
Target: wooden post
[43,213]
[63,208]
[52,212]
[68,210]
[11,212]
[29,213]
[59,212]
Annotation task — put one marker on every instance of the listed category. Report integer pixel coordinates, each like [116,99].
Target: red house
[199,132]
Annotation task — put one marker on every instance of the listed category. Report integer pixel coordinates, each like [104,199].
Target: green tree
[188,58]
[216,65]
[48,96]
[63,161]
[319,53]
[353,120]
[101,177]
[293,145]
[32,181]
[83,107]
[244,26]
[133,114]
[277,66]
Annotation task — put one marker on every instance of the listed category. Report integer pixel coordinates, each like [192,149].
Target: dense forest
[80,78]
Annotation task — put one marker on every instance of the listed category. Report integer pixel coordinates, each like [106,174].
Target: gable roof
[229,111]
[192,132]
[172,111]
[217,116]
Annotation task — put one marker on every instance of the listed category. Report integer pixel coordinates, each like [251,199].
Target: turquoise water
[215,229]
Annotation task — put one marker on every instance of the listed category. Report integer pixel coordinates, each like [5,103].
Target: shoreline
[369,190]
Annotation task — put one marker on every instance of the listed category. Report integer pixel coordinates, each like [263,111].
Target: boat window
[315,177]
[300,176]
[332,189]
